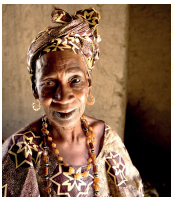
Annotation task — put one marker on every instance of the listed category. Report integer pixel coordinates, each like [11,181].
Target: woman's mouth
[65,115]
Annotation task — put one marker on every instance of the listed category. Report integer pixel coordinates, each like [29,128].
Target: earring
[33,105]
[93,100]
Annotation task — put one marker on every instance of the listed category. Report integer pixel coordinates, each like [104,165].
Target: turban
[76,33]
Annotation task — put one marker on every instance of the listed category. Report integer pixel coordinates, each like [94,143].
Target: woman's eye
[50,83]
[75,80]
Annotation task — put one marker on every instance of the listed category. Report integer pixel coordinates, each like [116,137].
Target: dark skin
[62,86]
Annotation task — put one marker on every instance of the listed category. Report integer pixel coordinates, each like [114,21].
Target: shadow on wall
[152,161]
[148,114]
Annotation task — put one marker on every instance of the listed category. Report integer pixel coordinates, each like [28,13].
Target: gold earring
[93,100]
[33,105]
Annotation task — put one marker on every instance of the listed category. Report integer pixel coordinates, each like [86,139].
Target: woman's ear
[35,94]
[89,83]
[34,90]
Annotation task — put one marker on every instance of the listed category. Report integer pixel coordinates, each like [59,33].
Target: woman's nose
[63,95]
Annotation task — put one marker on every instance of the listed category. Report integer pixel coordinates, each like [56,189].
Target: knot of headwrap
[61,16]
[76,33]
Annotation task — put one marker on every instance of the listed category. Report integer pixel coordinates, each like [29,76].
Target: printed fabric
[76,33]
[23,169]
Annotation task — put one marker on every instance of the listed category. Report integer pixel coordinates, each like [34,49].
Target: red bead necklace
[90,139]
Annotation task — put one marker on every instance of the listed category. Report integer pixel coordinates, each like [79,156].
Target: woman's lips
[65,115]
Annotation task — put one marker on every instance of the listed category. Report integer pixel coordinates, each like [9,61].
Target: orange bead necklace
[71,171]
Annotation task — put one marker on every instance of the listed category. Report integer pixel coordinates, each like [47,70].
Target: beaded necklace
[90,139]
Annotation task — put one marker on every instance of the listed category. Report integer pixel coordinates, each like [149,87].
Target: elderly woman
[65,153]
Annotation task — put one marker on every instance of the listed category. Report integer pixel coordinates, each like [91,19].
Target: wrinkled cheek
[46,92]
[45,97]
[83,102]
[45,102]
[82,94]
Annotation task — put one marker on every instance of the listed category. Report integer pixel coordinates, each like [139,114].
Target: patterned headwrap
[76,33]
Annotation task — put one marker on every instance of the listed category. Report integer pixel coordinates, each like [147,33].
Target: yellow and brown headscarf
[76,33]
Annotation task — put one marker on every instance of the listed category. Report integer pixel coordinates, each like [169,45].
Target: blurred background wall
[131,81]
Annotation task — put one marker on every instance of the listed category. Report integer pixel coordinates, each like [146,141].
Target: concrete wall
[20,25]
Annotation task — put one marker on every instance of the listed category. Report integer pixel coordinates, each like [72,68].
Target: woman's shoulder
[28,128]
[24,145]
[24,135]
[105,131]
[97,125]
[94,122]
[108,138]
[101,126]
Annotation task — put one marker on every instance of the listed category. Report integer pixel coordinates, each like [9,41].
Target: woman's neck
[70,135]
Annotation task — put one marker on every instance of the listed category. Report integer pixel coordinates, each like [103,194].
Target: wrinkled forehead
[58,61]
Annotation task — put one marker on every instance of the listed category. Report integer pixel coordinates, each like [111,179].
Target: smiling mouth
[65,115]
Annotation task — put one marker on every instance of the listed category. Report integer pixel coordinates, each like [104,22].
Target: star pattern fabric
[66,185]
[116,168]
[24,149]
[4,190]
[23,169]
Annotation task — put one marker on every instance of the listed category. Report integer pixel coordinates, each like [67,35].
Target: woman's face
[62,87]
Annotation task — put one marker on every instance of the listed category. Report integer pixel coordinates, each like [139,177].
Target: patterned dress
[23,169]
